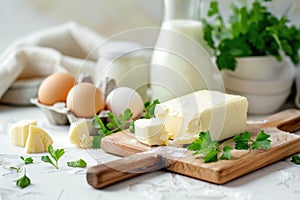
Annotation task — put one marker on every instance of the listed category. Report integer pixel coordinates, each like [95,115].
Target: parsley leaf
[17,169]
[242,141]
[204,145]
[28,160]
[213,10]
[23,182]
[120,123]
[78,163]
[56,155]
[126,115]
[296,159]
[226,61]
[150,107]
[97,140]
[98,123]
[226,153]
[261,141]
[211,156]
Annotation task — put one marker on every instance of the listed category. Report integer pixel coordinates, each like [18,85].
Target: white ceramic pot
[265,96]
[257,68]
[281,82]
[261,104]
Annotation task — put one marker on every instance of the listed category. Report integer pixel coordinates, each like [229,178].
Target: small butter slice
[18,132]
[38,140]
[79,134]
[151,131]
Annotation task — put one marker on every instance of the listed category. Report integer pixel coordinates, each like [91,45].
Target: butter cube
[18,132]
[222,114]
[151,131]
[79,134]
[38,140]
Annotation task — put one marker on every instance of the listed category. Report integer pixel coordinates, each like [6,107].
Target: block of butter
[222,114]
[151,131]
[79,134]
[38,140]
[18,132]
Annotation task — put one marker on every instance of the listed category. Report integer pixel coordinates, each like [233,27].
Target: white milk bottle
[181,61]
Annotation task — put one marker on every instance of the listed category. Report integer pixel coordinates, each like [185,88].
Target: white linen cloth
[66,47]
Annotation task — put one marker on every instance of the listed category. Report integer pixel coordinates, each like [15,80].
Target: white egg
[122,98]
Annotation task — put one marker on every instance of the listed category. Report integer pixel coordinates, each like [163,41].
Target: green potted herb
[252,51]
[252,31]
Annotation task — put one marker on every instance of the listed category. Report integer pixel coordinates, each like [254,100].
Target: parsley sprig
[115,125]
[252,31]
[210,150]
[296,159]
[55,154]
[77,163]
[243,141]
[28,160]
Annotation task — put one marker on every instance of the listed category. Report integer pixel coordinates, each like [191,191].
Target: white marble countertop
[280,180]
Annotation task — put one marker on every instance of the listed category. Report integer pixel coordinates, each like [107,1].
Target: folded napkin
[67,47]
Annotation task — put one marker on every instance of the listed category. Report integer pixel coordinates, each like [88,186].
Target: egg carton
[59,114]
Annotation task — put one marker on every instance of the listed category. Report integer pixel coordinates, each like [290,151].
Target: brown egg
[55,88]
[85,100]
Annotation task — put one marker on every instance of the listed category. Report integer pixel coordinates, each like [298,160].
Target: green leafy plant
[115,125]
[210,150]
[23,182]
[28,160]
[77,163]
[55,154]
[296,159]
[149,108]
[251,31]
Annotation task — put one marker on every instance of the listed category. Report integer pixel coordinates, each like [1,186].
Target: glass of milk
[126,63]
[181,61]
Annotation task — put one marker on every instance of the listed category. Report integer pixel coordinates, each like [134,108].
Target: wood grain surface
[182,161]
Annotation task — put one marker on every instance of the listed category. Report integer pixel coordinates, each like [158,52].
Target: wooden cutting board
[181,161]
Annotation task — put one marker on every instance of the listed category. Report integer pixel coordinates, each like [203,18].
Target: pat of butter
[222,114]
[38,140]
[151,131]
[18,132]
[79,134]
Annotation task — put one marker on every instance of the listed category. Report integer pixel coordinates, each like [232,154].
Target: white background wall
[108,17]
